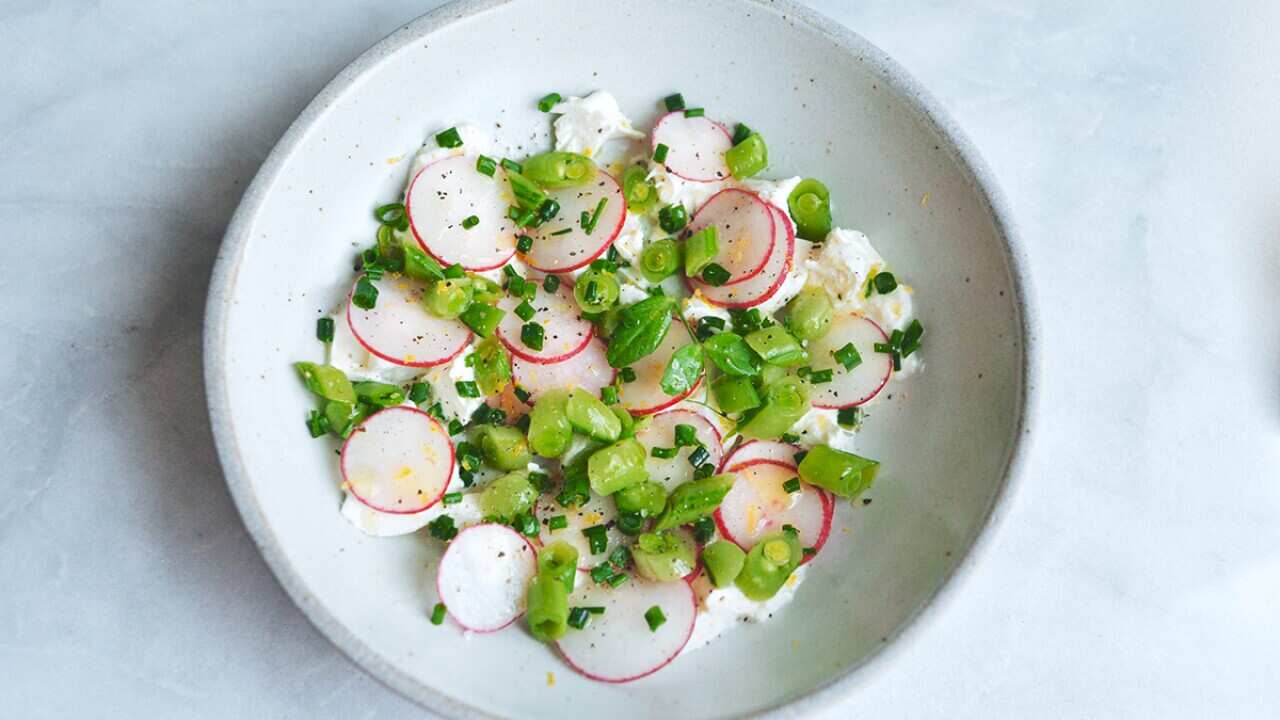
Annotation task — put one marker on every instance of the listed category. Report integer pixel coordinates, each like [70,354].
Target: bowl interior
[945,436]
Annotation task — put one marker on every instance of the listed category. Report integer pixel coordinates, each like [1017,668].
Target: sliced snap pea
[647,498]
[505,447]
[777,346]
[700,249]
[558,169]
[448,298]
[591,417]
[627,421]
[809,313]
[596,290]
[771,561]
[843,473]
[326,381]
[638,189]
[735,394]
[724,561]
[549,429]
[492,366]
[418,264]
[616,467]
[378,394]
[547,607]
[343,416]
[659,260]
[810,206]
[747,157]
[508,495]
[482,319]
[785,401]
[694,499]
[559,560]
[663,556]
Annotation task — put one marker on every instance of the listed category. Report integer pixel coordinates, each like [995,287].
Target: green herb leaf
[732,354]
[683,370]
[641,329]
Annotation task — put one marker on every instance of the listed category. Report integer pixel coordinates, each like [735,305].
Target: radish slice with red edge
[399,460]
[644,395]
[450,190]
[761,450]
[763,286]
[565,332]
[588,369]
[596,511]
[399,329]
[745,232]
[757,505]
[850,387]
[617,645]
[484,575]
[674,471]
[695,146]
[561,244]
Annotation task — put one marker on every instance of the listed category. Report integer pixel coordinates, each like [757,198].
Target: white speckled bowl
[830,105]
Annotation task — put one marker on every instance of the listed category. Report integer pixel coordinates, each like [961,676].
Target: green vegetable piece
[735,394]
[548,101]
[550,431]
[639,191]
[777,346]
[673,102]
[682,370]
[810,207]
[843,473]
[547,607]
[768,565]
[694,499]
[485,290]
[448,298]
[641,329]
[724,561]
[648,498]
[747,157]
[449,138]
[557,169]
[492,366]
[625,418]
[885,282]
[673,218]
[343,417]
[505,447]
[591,417]
[809,313]
[482,319]
[378,394]
[560,561]
[326,381]
[770,374]
[700,249]
[664,556]
[390,249]
[529,196]
[365,296]
[596,290]
[732,354]
[419,265]
[659,260]
[616,467]
[785,401]
[508,496]
[438,614]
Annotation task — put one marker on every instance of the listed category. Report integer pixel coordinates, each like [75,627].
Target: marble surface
[1137,574]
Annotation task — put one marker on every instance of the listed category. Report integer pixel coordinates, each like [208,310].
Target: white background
[1138,571]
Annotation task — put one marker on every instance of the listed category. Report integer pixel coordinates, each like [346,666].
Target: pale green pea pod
[326,381]
[547,608]
[809,313]
[559,560]
[663,557]
[723,561]
[766,568]
[843,473]
[647,498]
[505,447]
[616,467]
[550,432]
[785,402]
[508,495]
[693,500]
[379,394]
[557,169]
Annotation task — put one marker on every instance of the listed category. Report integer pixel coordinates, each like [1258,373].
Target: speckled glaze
[830,104]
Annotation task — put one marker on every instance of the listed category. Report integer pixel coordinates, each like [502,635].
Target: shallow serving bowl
[830,105]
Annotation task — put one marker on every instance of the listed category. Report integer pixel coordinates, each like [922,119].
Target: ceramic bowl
[830,105]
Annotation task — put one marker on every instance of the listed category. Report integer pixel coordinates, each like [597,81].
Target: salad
[620,380]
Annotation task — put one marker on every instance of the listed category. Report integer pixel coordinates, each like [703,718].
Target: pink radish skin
[758,489]
[399,329]
[746,231]
[446,192]
[761,450]
[566,333]
[484,575]
[849,388]
[617,646]
[760,288]
[569,251]
[588,369]
[661,433]
[596,511]
[644,395]
[398,461]
[695,146]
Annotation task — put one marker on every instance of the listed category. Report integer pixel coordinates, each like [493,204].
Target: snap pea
[770,374]
[723,561]
[343,416]
[482,319]
[596,290]
[785,401]
[326,381]
[777,346]
[378,394]
[508,496]
[809,313]
[576,489]
[664,556]
[747,157]
[492,366]
[505,447]
[549,430]
[591,417]
[732,354]
[558,169]
[529,197]
[810,206]
[625,419]
[448,298]
[843,473]
[647,498]
[418,264]
[659,260]
[700,249]
[616,467]
[559,560]
[694,499]
[547,607]
[638,189]
[735,394]
[390,250]
[771,561]
[484,290]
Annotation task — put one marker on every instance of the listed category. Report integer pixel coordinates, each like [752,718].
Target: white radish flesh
[755,290]
[375,523]
[671,472]
[596,511]
[761,450]
[618,646]
[444,194]
[399,460]
[556,251]
[850,387]
[588,369]
[695,146]
[484,575]
[745,232]
[757,505]
[645,395]
[399,329]
[565,332]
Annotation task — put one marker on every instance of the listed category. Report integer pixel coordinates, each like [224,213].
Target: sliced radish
[483,576]
[645,395]
[757,505]
[596,511]
[376,523]
[744,230]
[450,190]
[763,286]
[588,369]
[399,460]
[695,146]
[566,333]
[400,330]
[557,251]
[617,646]
[761,450]
[850,387]
[661,433]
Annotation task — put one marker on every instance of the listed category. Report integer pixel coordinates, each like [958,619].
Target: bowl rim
[226,270]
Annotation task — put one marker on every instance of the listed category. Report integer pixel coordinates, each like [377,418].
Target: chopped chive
[694,112]
[525,524]
[789,438]
[596,539]
[685,435]
[790,530]
[317,424]
[551,283]
[631,523]
[803,371]
[531,334]
[390,214]
[660,153]
[673,218]
[512,165]
[594,609]
[564,231]
[819,377]
[524,244]
[486,165]
[699,456]
[436,412]
[469,222]
[510,271]
[609,395]
[452,498]
[558,522]
[883,348]
[548,209]
[449,138]
[715,275]
[848,356]
[455,425]
[365,295]
[602,572]
[810,551]
[589,223]
[617,580]
[548,101]
[799,457]
[578,618]
[467,388]
[792,485]
[324,329]
[705,470]
[655,618]
[455,271]
[539,480]
[895,340]
[525,311]
[419,393]
[848,417]
[885,283]
[521,394]
[442,528]
[627,374]
[437,614]
[674,102]
[707,326]
[897,361]
[664,453]
[740,133]
[911,338]
[620,558]
[704,528]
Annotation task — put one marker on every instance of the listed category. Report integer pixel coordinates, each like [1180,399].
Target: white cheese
[721,609]
[587,123]
[673,189]
[475,141]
